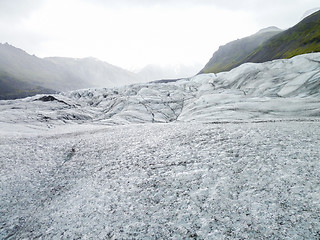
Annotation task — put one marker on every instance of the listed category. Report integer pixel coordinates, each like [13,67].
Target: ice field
[164,181]
[227,156]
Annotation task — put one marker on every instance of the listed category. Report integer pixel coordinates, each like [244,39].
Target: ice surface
[227,156]
[164,181]
[279,89]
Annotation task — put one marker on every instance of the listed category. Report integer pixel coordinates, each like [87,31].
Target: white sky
[134,33]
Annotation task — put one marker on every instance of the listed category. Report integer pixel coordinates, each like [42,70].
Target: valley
[226,156]
[89,150]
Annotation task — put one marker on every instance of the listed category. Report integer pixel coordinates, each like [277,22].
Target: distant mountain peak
[10,49]
[309,12]
[269,29]
[7,45]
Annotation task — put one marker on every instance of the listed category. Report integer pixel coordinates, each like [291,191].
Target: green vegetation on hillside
[300,39]
[232,54]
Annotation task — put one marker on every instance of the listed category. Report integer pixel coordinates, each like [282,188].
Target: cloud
[138,32]
[233,4]
[151,3]
[16,10]
[282,14]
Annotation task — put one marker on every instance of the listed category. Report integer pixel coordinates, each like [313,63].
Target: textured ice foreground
[232,156]
[164,181]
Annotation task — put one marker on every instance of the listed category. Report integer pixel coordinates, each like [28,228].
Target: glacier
[227,156]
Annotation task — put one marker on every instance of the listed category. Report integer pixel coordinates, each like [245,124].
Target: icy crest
[279,89]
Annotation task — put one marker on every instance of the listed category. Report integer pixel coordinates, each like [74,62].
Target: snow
[151,181]
[227,156]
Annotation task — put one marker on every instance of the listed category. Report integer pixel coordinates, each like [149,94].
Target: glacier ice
[163,181]
[237,158]
[280,89]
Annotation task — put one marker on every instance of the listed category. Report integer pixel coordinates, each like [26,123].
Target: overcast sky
[134,33]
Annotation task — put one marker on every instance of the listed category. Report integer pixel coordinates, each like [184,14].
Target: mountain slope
[11,88]
[31,74]
[232,54]
[302,38]
[21,66]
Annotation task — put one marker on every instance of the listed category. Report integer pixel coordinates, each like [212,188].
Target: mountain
[22,74]
[302,38]
[232,54]
[36,71]
[11,88]
[95,72]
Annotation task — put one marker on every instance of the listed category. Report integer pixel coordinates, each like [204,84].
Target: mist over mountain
[22,74]
[232,54]
[12,88]
[95,72]
[153,72]
[309,12]
[302,38]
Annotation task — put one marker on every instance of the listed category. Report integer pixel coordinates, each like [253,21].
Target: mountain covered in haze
[232,54]
[95,72]
[153,72]
[304,37]
[22,74]
[309,12]
[12,88]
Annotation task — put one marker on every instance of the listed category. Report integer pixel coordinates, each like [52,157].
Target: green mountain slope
[300,39]
[232,54]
